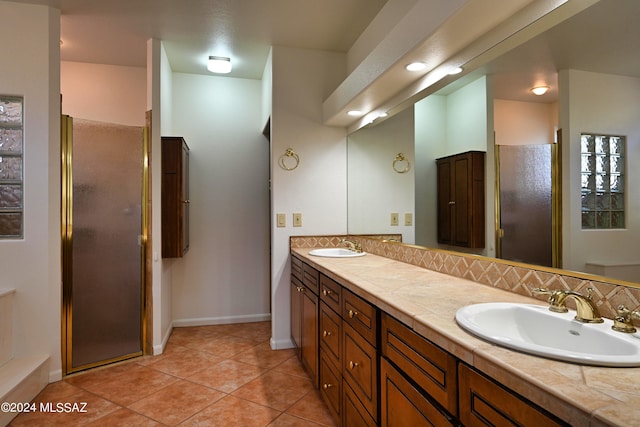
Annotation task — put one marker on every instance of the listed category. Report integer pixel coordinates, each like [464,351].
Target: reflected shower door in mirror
[525,203]
[104,284]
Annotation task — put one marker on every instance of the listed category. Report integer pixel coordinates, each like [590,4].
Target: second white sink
[536,330]
[336,253]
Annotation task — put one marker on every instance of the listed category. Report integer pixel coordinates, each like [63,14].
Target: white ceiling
[115,32]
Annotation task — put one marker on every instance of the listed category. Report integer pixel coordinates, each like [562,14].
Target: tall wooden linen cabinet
[461,201]
[175,197]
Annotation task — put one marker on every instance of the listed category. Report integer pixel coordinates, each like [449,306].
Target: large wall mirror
[590,63]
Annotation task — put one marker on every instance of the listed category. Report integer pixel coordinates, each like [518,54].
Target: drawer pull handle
[326,333]
[326,292]
[352,364]
[301,289]
[352,314]
[326,386]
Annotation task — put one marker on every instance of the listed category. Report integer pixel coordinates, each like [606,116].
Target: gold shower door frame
[67,252]
[556,202]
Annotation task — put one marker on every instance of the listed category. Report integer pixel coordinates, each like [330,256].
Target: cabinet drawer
[432,368]
[330,292]
[331,333]
[485,403]
[331,386]
[296,268]
[310,278]
[360,368]
[360,315]
[402,404]
[355,415]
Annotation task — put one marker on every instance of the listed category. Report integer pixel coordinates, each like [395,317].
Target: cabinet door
[175,197]
[309,339]
[402,404]
[461,217]
[485,403]
[296,313]
[444,201]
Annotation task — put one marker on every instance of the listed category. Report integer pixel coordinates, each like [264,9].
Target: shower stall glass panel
[106,280]
[525,203]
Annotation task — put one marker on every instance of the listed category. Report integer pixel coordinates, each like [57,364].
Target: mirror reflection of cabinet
[175,197]
[461,217]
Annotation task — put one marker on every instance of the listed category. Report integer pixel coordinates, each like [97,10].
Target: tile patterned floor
[223,375]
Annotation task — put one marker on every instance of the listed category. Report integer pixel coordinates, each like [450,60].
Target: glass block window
[602,176]
[11,161]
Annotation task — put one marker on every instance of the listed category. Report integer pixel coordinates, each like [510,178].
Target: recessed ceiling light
[416,66]
[455,70]
[219,64]
[354,113]
[540,90]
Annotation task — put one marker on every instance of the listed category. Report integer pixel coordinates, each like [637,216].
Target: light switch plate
[297,220]
[394,218]
[408,219]
[281,220]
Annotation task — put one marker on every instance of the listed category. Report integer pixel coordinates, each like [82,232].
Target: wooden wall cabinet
[175,197]
[461,201]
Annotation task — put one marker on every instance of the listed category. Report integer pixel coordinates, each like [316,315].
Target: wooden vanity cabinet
[417,378]
[460,200]
[304,315]
[483,402]
[175,197]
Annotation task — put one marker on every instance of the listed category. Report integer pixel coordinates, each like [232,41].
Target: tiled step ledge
[21,379]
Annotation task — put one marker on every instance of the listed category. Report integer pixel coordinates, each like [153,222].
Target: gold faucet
[623,321]
[351,245]
[586,310]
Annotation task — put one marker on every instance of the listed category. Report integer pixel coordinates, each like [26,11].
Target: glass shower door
[526,203]
[104,320]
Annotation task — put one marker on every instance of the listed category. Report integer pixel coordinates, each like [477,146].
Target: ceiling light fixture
[416,66]
[455,70]
[540,90]
[219,64]
[354,113]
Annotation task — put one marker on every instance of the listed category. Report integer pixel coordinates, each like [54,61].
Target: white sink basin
[536,330]
[336,253]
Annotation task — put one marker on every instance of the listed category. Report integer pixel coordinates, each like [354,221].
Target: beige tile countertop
[427,302]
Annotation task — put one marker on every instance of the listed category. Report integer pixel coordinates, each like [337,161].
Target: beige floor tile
[275,389]
[233,412]
[227,376]
[176,402]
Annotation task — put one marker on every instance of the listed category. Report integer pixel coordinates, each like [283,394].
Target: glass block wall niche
[11,161]
[602,176]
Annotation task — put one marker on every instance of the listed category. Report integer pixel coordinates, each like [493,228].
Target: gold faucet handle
[623,321]
[556,303]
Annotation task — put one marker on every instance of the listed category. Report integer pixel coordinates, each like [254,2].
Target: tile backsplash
[513,277]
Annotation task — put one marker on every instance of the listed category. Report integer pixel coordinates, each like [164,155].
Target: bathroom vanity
[387,348]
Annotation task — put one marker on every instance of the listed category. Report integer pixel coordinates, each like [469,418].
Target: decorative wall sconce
[401,164]
[293,163]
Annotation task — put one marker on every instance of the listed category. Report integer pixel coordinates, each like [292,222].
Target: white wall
[522,123]
[32,265]
[375,189]
[302,79]
[446,125]
[607,104]
[224,278]
[104,93]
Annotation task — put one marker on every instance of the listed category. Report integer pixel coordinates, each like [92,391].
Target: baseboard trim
[204,321]
[281,344]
